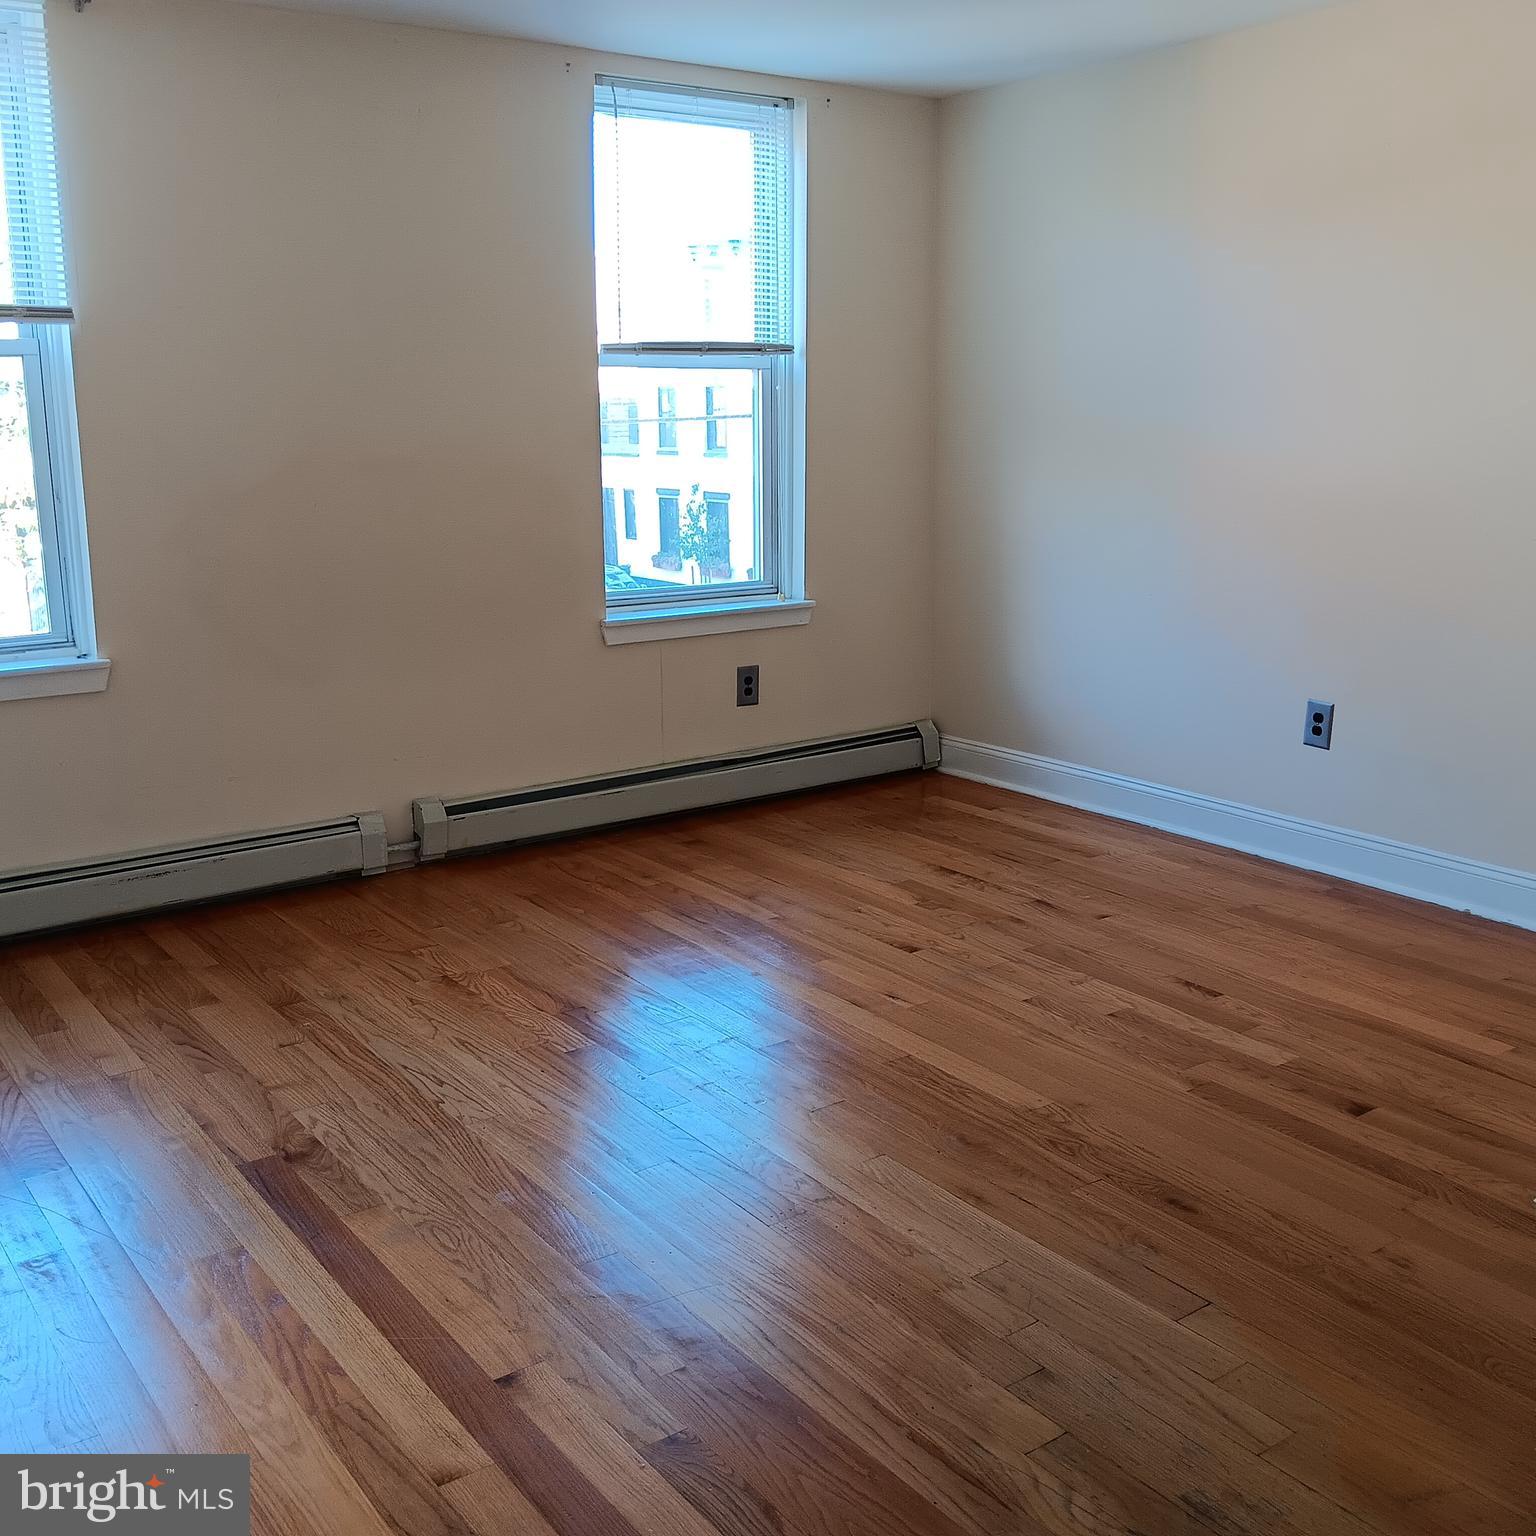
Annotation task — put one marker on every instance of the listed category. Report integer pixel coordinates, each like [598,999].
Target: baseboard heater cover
[474,822]
[64,895]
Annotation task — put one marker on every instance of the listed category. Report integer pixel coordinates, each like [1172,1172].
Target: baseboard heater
[63,895]
[474,822]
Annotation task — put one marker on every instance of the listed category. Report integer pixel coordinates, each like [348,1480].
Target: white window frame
[48,375]
[64,659]
[780,598]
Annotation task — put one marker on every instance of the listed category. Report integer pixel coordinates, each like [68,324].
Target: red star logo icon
[154,1482]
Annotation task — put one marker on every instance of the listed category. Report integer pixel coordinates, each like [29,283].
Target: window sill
[45,679]
[686,619]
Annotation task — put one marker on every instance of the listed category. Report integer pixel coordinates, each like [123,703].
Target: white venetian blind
[32,281]
[692,203]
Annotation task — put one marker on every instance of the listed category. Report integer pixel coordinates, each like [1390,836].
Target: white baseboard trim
[1487,890]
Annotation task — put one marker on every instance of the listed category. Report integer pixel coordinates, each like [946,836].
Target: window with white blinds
[32,281]
[695,230]
[46,626]
[693,215]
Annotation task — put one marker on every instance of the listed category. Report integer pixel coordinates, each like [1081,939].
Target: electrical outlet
[746,686]
[1319,731]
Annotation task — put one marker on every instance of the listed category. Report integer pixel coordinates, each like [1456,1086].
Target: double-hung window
[45,608]
[666,419]
[696,246]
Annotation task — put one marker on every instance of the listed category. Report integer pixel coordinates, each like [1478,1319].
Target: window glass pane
[696,502]
[31,241]
[691,213]
[682,195]
[23,584]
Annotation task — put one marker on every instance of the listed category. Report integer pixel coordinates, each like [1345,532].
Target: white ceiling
[930,46]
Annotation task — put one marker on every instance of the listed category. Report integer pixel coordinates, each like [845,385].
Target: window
[666,420]
[621,427]
[695,249]
[629,515]
[714,422]
[45,608]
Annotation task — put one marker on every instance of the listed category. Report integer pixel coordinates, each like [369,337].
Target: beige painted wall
[1239,372]
[337,390]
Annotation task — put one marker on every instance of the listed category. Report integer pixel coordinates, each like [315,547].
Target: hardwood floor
[912,1158]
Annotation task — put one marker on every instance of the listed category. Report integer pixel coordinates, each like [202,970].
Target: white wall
[337,390]
[1238,351]
[1239,376]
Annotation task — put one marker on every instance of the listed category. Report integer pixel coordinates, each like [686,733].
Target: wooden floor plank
[905,1157]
